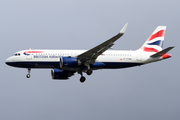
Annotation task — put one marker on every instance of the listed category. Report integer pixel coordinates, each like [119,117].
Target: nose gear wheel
[28,75]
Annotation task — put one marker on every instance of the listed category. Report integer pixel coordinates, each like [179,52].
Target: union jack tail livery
[155,42]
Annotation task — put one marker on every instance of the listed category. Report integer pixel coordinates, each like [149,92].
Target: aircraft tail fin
[155,42]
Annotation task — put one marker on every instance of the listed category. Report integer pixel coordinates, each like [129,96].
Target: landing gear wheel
[82,79]
[28,75]
[89,72]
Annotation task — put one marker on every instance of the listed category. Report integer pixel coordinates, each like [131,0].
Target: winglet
[124,28]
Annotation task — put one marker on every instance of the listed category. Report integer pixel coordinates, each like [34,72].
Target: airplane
[64,63]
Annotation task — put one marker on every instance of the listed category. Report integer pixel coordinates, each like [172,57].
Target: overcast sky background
[148,92]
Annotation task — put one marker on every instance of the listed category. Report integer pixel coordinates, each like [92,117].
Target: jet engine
[69,62]
[61,74]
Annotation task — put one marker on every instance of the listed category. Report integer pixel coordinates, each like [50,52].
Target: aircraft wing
[91,55]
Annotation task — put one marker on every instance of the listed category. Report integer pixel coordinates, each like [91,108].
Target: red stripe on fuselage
[158,34]
[150,50]
[33,52]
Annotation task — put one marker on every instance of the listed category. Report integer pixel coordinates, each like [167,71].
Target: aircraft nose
[8,61]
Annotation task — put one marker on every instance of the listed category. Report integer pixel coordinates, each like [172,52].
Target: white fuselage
[51,58]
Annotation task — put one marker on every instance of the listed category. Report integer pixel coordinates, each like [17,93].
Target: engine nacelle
[69,62]
[61,74]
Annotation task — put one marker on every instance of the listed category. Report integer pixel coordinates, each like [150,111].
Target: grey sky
[141,93]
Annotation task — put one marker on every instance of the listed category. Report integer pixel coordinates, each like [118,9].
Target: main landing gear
[83,79]
[89,72]
[28,75]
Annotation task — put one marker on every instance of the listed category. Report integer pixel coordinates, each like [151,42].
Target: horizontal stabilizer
[162,52]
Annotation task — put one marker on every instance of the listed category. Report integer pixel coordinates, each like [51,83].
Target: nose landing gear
[28,75]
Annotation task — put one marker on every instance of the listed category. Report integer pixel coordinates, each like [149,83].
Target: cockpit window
[17,54]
